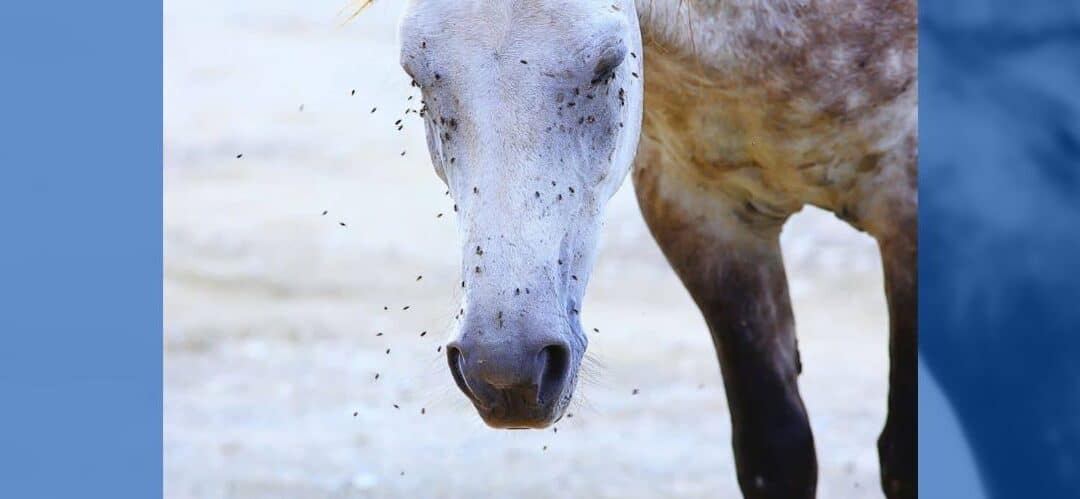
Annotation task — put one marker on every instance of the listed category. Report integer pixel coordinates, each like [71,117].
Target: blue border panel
[1000,245]
[80,251]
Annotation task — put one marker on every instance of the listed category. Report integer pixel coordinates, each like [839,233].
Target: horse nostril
[454,359]
[555,362]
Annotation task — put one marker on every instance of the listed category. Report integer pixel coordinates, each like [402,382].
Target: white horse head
[532,110]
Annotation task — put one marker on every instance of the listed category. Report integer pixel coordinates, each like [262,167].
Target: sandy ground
[272,310]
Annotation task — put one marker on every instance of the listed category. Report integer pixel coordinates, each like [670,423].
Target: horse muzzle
[512,383]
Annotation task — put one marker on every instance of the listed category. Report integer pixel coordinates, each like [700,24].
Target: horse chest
[778,151]
[783,105]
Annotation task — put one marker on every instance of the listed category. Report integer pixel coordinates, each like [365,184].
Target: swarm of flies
[450,124]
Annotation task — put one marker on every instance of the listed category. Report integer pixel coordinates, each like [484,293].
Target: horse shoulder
[788,106]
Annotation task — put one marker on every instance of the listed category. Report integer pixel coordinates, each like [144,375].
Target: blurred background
[999,238]
[273,310]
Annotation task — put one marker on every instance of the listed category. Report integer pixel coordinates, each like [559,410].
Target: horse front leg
[898,444]
[887,208]
[730,262]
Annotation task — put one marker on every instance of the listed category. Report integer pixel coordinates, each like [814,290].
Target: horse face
[532,110]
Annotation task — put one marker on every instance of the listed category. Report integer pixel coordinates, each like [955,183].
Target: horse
[731,115]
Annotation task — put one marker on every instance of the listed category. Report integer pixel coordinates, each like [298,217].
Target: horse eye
[609,59]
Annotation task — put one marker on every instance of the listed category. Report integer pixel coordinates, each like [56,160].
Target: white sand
[271,310]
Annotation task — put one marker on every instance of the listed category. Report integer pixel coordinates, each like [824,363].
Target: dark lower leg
[898,444]
[750,319]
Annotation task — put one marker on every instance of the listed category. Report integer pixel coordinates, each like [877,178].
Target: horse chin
[537,420]
[534,418]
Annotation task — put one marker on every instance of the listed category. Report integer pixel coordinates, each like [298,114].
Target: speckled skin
[733,115]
